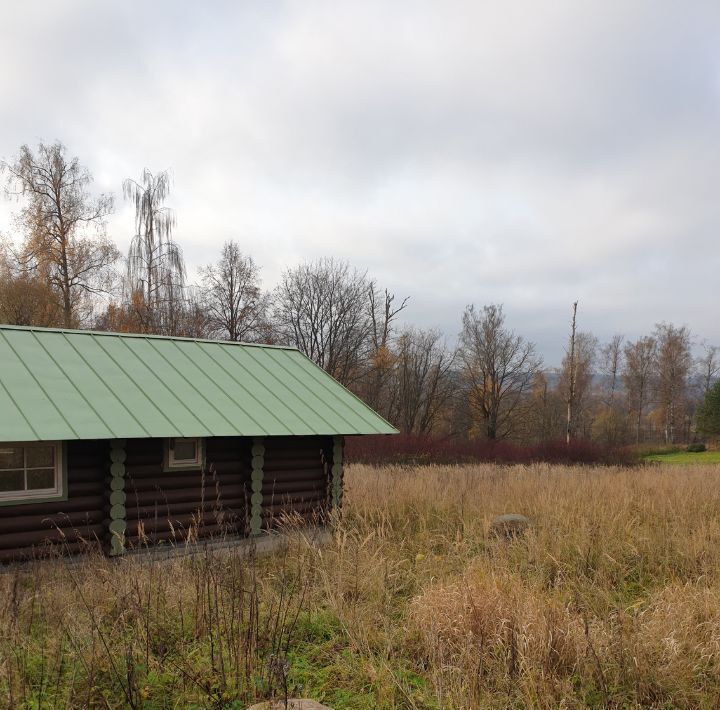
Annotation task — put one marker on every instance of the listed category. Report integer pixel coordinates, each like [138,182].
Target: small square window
[184,453]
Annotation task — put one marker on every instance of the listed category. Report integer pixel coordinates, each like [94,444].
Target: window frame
[169,462]
[43,495]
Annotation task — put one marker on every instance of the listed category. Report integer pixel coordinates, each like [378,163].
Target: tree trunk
[571,384]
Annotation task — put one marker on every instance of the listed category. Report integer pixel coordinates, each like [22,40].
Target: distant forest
[61,269]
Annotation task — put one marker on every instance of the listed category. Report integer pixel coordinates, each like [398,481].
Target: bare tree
[155,265]
[576,383]
[64,226]
[424,382]
[383,311]
[611,361]
[547,411]
[674,363]
[637,374]
[612,419]
[709,367]
[572,369]
[498,368]
[321,308]
[235,305]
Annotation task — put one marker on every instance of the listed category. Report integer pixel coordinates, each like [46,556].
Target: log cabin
[119,441]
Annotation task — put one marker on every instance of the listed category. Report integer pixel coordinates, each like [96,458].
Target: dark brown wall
[73,523]
[169,505]
[295,478]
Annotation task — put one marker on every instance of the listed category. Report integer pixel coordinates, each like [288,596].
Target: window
[29,472]
[184,453]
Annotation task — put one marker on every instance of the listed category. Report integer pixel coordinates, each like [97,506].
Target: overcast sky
[521,153]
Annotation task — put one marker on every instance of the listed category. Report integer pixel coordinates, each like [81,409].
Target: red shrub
[414,449]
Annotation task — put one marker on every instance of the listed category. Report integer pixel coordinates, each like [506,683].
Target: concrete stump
[509,526]
[293,704]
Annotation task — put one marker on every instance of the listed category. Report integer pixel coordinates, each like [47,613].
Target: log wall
[173,505]
[34,529]
[295,479]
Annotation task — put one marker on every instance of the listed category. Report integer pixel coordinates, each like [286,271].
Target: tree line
[62,269]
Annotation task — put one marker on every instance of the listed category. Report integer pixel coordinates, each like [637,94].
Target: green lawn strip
[685,457]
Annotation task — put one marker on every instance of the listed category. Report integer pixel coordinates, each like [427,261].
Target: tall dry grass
[611,600]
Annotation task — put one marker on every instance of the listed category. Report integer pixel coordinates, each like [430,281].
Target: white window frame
[184,465]
[40,495]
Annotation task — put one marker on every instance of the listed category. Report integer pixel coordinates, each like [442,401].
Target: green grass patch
[685,457]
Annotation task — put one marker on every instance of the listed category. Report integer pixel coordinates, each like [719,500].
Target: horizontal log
[281,464]
[162,485]
[229,468]
[56,536]
[84,475]
[28,523]
[83,489]
[291,486]
[285,499]
[143,445]
[73,505]
[277,510]
[312,454]
[209,495]
[209,531]
[161,481]
[88,458]
[227,453]
[156,473]
[43,552]
[144,462]
[147,470]
[180,524]
[312,471]
[190,494]
[171,509]
[294,476]
[291,444]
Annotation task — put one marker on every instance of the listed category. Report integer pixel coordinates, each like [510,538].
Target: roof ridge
[85,331]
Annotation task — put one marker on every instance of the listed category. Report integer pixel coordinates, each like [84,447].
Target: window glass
[185,450]
[40,478]
[12,481]
[11,457]
[29,471]
[40,457]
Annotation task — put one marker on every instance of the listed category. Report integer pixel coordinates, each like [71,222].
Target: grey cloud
[519,153]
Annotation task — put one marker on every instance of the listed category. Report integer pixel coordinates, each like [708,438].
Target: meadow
[685,457]
[612,599]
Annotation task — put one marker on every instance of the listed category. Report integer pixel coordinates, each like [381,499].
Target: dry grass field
[611,600]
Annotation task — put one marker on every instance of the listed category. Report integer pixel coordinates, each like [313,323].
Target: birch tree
[498,369]
[674,363]
[230,290]
[637,374]
[576,383]
[65,241]
[708,367]
[612,420]
[155,264]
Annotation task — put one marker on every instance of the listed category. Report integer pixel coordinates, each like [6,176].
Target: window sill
[30,499]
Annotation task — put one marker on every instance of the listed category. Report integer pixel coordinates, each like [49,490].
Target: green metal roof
[73,384]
